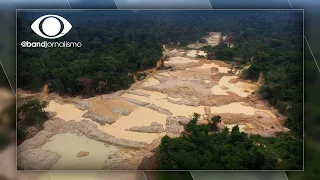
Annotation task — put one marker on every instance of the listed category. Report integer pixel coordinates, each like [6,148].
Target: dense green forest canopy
[203,148]
[118,43]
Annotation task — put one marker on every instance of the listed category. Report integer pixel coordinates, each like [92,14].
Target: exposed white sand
[179,60]
[66,111]
[174,51]
[140,117]
[236,107]
[207,81]
[211,65]
[69,145]
[151,81]
[164,74]
[213,39]
[192,53]
[202,53]
[241,88]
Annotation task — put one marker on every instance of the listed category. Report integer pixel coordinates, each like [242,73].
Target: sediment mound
[219,100]
[82,154]
[140,103]
[37,159]
[121,111]
[159,109]
[82,105]
[99,118]
[153,128]
[174,128]
[91,131]
[185,102]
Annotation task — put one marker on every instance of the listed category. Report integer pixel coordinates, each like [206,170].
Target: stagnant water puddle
[66,112]
[69,145]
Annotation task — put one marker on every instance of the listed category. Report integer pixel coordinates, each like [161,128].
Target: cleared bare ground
[119,130]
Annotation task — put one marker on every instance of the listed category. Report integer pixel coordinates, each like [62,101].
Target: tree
[222,150]
[32,113]
[214,122]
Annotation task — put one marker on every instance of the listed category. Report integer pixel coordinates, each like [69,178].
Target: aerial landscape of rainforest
[163,90]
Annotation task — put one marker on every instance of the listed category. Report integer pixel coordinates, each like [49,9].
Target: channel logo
[51,26]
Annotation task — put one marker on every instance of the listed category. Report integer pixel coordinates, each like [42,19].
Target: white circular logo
[51,26]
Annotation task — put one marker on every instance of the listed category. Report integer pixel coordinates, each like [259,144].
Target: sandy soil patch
[241,88]
[246,86]
[249,126]
[213,38]
[179,60]
[221,69]
[174,99]
[151,81]
[217,90]
[176,83]
[192,53]
[191,74]
[217,62]
[174,51]
[164,74]
[140,117]
[67,112]
[105,107]
[196,45]
[68,146]
[202,53]
[143,91]
[237,108]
